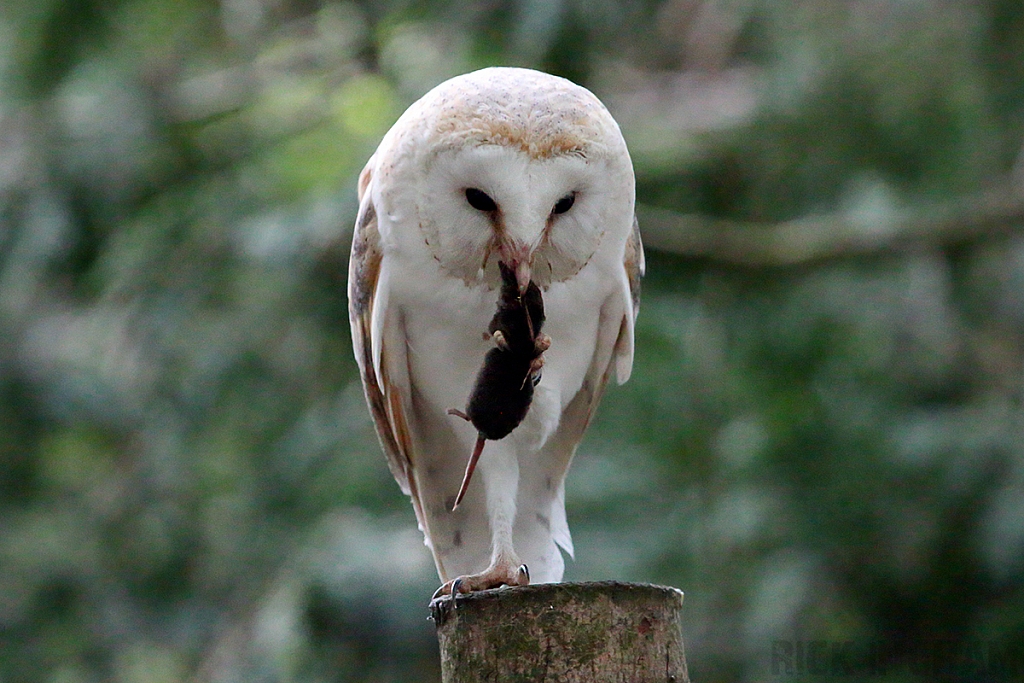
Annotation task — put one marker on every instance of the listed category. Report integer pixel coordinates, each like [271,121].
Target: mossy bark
[565,632]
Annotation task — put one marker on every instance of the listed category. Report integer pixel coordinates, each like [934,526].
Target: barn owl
[530,170]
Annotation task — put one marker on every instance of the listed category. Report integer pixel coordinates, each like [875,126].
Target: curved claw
[442,590]
[500,574]
[450,588]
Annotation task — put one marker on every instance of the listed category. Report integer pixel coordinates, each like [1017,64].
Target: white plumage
[423,284]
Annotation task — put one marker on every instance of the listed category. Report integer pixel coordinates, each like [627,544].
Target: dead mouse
[503,390]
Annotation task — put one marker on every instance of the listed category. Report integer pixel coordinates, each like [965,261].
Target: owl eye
[480,200]
[564,204]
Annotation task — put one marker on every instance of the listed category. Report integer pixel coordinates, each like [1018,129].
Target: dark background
[823,437]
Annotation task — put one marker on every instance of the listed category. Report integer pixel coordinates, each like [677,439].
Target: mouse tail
[470,466]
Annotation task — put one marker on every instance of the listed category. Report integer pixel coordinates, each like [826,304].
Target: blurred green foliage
[189,483]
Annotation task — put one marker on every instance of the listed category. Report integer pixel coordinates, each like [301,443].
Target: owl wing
[634,265]
[543,490]
[379,346]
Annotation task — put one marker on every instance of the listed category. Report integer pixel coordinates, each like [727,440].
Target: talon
[456,585]
[448,588]
[440,592]
[542,343]
[502,572]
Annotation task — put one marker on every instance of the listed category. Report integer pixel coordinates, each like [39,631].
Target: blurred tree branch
[814,239]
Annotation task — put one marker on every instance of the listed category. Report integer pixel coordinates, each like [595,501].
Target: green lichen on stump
[565,632]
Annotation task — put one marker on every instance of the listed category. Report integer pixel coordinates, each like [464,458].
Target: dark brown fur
[503,390]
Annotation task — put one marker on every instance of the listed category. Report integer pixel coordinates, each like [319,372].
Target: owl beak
[519,258]
[522,276]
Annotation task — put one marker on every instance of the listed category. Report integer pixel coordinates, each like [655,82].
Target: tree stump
[564,632]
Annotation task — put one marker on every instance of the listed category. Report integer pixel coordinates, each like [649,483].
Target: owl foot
[498,574]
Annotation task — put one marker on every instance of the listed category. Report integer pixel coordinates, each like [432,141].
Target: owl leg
[500,473]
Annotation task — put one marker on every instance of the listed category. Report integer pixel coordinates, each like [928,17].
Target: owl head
[509,165]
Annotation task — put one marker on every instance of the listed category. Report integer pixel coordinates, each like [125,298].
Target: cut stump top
[565,632]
